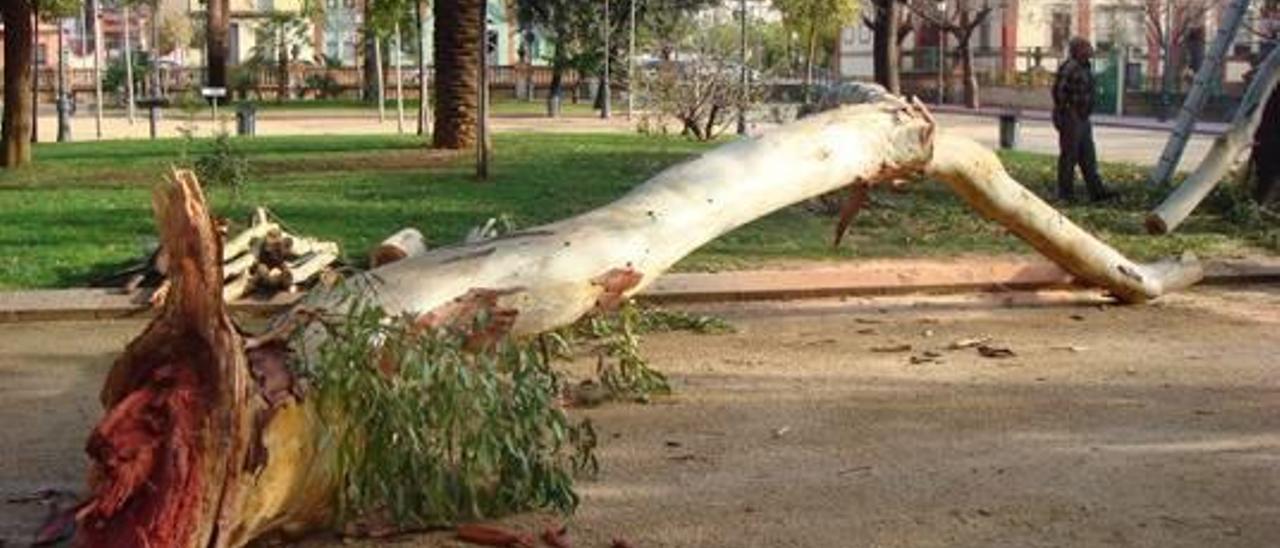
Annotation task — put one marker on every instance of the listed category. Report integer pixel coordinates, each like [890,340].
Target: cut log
[1223,155]
[308,267]
[241,242]
[407,242]
[227,455]
[239,265]
[306,246]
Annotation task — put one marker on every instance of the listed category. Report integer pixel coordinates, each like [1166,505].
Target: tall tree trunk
[424,105]
[35,74]
[1266,154]
[1198,94]
[808,62]
[130,104]
[457,57]
[369,56]
[1224,152]
[17,129]
[970,77]
[63,105]
[153,72]
[217,27]
[886,46]
[555,92]
[282,66]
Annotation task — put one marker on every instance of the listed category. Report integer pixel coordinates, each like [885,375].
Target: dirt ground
[1111,426]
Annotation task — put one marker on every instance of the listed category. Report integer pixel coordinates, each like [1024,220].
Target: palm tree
[457,58]
[17,84]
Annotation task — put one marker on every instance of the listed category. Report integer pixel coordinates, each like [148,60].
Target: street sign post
[214,95]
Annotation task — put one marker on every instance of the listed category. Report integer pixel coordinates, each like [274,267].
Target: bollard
[1008,130]
[153,118]
[64,118]
[153,105]
[246,119]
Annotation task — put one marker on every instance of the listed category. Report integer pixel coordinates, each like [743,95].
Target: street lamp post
[742,60]
[942,53]
[604,105]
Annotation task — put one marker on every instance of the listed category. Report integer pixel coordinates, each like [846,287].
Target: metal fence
[303,81]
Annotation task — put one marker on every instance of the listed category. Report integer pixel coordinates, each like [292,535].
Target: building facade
[1022,37]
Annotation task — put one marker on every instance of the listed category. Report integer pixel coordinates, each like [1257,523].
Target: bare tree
[961,20]
[888,20]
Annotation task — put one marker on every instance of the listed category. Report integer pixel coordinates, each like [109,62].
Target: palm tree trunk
[457,58]
[217,27]
[128,65]
[17,128]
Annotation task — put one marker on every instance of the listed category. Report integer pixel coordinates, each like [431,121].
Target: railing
[303,80]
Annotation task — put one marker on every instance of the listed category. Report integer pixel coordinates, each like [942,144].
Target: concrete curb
[865,278]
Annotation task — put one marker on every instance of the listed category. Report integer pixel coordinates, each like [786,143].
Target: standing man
[1072,105]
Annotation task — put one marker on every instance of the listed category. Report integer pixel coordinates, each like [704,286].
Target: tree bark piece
[408,242]
[167,456]
[1224,153]
[975,173]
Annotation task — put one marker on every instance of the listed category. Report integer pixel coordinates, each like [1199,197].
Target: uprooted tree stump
[206,440]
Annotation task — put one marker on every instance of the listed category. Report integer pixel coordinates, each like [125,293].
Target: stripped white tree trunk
[1199,93]
[975,173]
[561,269]
[1224,154]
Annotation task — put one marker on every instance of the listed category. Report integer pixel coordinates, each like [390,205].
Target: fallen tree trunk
[976,174]
[1224,154]
[238,455]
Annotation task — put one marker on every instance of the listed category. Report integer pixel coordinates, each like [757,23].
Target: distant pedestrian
[1072,106]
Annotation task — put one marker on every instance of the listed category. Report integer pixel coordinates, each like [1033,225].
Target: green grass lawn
[84,209]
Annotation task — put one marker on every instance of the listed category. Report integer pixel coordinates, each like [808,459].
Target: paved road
[1115,144]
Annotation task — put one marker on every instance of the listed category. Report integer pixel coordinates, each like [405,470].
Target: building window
[1060,32]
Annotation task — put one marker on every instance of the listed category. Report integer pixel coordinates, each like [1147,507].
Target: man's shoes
[1064,200]
[1107,195]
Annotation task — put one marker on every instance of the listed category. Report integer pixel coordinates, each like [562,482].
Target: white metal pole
[742,58]
[97,68]
[382,85]
[128,64]
[399,84]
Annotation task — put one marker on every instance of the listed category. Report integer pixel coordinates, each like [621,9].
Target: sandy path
[1160,429]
